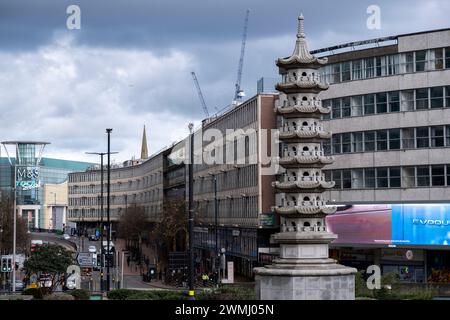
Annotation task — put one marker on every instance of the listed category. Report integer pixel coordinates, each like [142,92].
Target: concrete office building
[390,118]
[244,193]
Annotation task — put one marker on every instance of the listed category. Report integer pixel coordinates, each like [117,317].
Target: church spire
[144,150]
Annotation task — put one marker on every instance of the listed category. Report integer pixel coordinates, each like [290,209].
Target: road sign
[85,259]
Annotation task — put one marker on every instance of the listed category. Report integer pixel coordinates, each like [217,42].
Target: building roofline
[374,40]
[25,142]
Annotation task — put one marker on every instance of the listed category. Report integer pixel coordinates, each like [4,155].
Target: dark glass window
[382,177]
[337,178]
[421,58]
[346,142]
[369,178]
[357,142]
[369,141]
[346,110]
[437,175]
[437,136]
[370,67]
[381,102]
[380,63]
[447,58]
[336,108]
[394,177]
[346,71]
[336,144]
[394,101]
[394,139]
[422,137]
[382,143]
[421,99]
[447,97]
[369,104]
[423,176]
[346,179]
[437,97]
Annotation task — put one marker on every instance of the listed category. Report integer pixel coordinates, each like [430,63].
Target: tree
[172,228]
[7,225]
[133,224]
[50,260]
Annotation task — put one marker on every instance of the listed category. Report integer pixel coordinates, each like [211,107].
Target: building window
[369,141]
[335,76]
[337,179]
[369,104]
[380,63]
[358,179]
[336,108]
[381,102]
[437,136]
[382,140]
[382,177]
[357,140]
[436,59]
[336,144]
[394,101]
[346,143]
[394,177]
[422,137]
[437,175]
[369,67]
[447,96]
[394,139]
[407,100]
[421,99]
[409,62]
[393,64]
[346,71]
[346,110]
[346,179]
[408,177]
[357,70]
[437,97]
[447,58]
[423,176]
[369,178]
[421,58]
[357,107]
[326,146]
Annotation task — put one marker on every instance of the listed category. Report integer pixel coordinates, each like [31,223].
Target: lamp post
[191,212]
[102,262]
[108,213]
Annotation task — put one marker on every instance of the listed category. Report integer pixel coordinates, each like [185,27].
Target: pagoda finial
[301,26]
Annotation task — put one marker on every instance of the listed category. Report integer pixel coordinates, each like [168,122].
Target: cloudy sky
[130,62]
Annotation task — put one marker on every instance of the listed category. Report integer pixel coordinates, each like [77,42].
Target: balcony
[304,132]
[301,107]
[302,208]
[306,158]
[306,182]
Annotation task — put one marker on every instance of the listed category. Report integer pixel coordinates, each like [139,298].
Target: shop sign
[267,220]
[27,177]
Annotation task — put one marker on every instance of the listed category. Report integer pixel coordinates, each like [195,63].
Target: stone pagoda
[303,271]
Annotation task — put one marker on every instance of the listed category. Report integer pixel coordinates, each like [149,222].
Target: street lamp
[191,212]
[102,264]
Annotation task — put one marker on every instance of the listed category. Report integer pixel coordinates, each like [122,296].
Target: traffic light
[6,264]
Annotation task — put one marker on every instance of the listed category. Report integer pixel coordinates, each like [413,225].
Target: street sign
[85,259]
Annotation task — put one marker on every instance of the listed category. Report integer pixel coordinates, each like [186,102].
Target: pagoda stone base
[337,283]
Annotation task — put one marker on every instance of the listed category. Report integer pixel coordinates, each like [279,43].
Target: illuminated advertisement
[27,178]
[399,224]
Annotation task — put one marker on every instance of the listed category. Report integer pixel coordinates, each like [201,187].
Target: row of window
[409,62]
[234,179]
[151,211]
[228,209]
[388,139]
[391,177]
[143,197]
[384,102]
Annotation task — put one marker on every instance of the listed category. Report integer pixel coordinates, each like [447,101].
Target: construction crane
[239,93]
[200,95]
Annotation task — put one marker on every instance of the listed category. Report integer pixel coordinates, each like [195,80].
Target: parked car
[66,236]
[93,237]
[92,249]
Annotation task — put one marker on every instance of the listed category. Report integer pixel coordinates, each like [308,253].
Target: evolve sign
[27,178]
[432,222]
